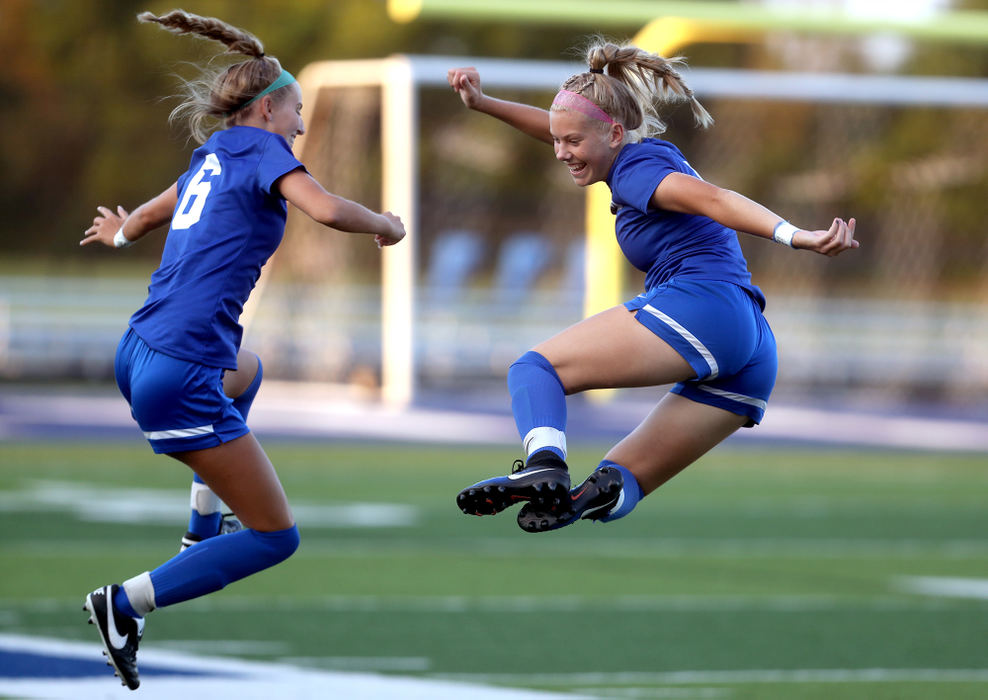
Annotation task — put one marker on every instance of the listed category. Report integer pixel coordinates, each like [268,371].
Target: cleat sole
[544,489]
[492,500]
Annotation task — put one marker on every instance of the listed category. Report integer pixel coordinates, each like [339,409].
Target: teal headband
[281,81]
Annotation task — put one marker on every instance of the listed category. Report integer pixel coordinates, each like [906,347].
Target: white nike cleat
[119,632]
[543,481]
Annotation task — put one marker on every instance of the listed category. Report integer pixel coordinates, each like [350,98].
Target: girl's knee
[279,544]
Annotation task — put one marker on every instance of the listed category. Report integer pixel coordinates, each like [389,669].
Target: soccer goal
[498,254]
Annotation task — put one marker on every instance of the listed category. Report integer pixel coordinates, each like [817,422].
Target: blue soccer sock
[538,401]
[631,492]
[243,402]
[205,519]
[212,564]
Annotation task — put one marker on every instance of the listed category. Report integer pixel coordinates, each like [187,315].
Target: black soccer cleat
[119,632]
[228,524]
[595,498]
[544,481]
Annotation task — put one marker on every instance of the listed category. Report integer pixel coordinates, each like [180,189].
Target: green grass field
[757,573]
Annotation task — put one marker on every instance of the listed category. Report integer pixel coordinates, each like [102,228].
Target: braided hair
[219,95]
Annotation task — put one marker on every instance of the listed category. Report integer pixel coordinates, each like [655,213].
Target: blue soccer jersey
[665,244]
[227,223]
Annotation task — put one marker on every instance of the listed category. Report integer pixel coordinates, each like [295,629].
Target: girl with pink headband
[698,324]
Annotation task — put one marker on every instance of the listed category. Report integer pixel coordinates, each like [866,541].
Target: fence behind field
[68,328]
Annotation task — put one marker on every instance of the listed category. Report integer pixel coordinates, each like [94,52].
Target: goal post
[400,79]
[955,26]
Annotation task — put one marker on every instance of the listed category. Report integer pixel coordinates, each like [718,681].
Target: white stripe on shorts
[180,433]
[741,398]
[689,338]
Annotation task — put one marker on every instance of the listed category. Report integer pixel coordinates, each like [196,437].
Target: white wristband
[783,233]
[120,240]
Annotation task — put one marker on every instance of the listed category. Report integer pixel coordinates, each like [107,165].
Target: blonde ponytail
[217,97]
[626,82]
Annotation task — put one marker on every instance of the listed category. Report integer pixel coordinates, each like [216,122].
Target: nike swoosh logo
[589,511]
[519,475]
[116,640]
[610,507]
[620,502]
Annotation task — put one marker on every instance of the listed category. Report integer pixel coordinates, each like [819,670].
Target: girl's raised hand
[105,226]
[466,82]
[396,234]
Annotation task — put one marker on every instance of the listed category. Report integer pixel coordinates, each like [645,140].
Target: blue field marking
[35,667]
[33,664]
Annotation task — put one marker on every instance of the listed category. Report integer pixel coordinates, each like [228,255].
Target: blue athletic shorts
[720,330]
[179,405]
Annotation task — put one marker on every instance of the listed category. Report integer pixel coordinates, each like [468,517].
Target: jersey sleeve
[277,159]
[637,175]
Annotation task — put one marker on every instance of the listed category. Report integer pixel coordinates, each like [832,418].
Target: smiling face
[586,146]
[285,116]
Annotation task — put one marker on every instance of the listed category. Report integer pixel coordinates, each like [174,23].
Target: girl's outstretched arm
[685,194]
[527,119]
[302,190]
[147,217]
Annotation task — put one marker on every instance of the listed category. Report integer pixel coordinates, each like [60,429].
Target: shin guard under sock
[538,402]
[204,521]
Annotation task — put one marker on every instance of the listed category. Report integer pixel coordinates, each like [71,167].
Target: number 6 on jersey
[194,198]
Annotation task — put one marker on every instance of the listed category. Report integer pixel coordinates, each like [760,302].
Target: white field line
[524,604]
[673,693]
[834,675]
[679,548]
[361,663]
[96,503]
[225,647]
[944,586]
[531,604]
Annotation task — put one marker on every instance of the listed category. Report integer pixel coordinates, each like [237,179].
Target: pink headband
[577,102]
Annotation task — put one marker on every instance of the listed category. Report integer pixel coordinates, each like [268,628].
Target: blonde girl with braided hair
[179,364]
[698,324]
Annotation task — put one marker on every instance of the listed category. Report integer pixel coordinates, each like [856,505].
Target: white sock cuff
[140,593]
[203,500]
[540,438]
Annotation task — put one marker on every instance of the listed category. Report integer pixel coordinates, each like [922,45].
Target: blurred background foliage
[84,104]
[80,99]
[85,122]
